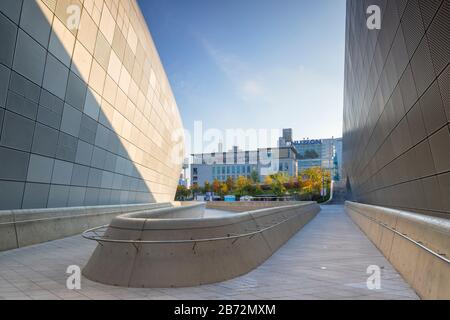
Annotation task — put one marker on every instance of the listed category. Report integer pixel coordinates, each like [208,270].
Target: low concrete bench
[178,248]
[242,206]
[20,228]
[418,246]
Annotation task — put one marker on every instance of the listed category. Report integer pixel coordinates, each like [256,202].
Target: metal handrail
[405,236]
[229,237]
[80,213]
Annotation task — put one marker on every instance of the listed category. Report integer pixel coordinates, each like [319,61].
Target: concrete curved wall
[425,272]
[242,206]
[191,264]
[86,110]
[20,228]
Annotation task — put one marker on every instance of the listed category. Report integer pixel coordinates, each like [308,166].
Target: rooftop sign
[308,142]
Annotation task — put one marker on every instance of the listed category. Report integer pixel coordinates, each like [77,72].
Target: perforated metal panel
[397,106]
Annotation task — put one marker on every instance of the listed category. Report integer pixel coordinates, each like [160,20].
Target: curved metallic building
[87,115]
[397,105]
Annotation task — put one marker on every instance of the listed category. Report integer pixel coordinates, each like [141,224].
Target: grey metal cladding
[29,58]
[396,145]
[11,9]
[14,164]
[17,131]
[8,34]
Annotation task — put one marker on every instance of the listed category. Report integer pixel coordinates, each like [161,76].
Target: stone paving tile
[327,259]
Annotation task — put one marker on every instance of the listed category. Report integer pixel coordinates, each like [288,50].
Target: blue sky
[260,64]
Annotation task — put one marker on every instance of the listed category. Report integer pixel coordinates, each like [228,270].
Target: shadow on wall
[84,115]
[348,189]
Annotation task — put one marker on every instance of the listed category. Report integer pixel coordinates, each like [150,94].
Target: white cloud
[286,94]
[252,88]
[237,71]
[229,63]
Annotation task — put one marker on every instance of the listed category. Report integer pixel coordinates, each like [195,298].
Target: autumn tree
[292,182]
[268,180]
[230,184]
[242,185]
[254,176]
[182,193]
[314,179]
[258,190]
[216,186]
[223,189]
[278,182]
[195,189]
[207,186]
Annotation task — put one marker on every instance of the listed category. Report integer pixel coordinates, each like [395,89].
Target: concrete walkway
[327,259]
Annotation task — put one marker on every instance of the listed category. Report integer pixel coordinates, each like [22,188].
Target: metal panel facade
[86,111]
[397,105]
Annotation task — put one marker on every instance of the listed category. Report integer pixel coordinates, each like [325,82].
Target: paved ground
[328,259]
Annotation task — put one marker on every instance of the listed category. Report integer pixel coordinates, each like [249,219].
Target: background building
[235,163]
[397,106]
[287,135]
[86,110]
[323,153]
[184,181]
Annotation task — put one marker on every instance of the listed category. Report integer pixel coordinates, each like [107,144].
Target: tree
[254,176]
[207,186]
[268,180]
[301,185]
[223,189]
[182,193]
[278,189]
[242,185]
[277,185]
[216,186]
[314,179]
[195,189]
[280,177]
[292,183]
[230,184]
[258,190]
